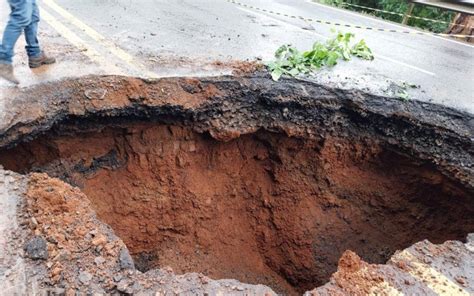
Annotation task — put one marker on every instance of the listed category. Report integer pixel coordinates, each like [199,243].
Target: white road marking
[382,57]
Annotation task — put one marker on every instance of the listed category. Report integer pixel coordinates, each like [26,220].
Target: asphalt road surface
[153,38]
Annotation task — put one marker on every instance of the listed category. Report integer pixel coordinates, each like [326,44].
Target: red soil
[263,208]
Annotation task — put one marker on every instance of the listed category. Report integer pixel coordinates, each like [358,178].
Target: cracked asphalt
[197,38]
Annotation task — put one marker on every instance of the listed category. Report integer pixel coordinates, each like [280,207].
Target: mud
[248,180]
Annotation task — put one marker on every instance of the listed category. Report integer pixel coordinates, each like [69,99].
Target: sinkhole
[264,207]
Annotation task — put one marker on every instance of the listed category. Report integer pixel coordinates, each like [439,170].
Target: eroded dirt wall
[263,208]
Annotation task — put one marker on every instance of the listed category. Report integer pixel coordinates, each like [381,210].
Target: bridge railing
[466,6]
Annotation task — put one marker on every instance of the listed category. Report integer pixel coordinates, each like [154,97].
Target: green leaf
[402,94]
[271,65]
[361,50]
[294,72]
[276,74]
[289,60]
[346,55]
[280,51]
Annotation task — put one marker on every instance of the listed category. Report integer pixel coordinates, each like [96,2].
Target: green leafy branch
[292,62]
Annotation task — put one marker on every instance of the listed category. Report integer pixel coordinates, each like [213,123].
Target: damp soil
[263,207]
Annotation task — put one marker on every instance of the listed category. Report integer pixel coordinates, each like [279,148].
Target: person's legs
[20,18]
[31,33]
[36,58]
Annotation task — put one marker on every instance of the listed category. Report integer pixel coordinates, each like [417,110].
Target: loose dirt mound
[61,216]
[72,252]
[421,269]
[263,208]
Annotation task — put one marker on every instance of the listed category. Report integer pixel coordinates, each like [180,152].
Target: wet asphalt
[186,37]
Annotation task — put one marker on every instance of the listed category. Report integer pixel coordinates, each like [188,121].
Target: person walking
[24,17]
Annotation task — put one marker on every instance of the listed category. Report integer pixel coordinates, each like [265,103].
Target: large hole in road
[263,208]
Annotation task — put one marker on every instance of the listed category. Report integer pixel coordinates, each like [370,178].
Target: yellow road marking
[429,276]
[113,48]
[384,288]
[79,43]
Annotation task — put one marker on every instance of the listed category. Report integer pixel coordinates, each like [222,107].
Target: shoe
[43,59]
[6,72]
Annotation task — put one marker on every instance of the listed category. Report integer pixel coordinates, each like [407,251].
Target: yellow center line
[96,36]
[384,288]
[79,43]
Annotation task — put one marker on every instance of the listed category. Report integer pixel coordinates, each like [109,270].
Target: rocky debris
[99,260]
[125,260]
[14,271]
[95,94]
[85,256]
[470,238]
[36,248]
[85,277]
[422,269]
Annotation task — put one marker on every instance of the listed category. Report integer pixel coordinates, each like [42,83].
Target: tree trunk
[463,24]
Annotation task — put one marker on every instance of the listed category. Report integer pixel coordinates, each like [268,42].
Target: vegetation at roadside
[400,6]
[291,61]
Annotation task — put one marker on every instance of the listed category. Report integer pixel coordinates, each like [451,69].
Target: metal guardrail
[396,13]
[462,6]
